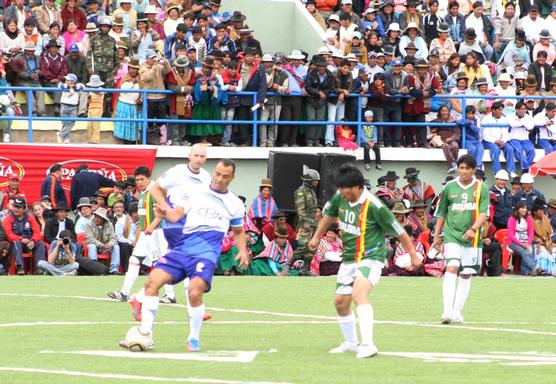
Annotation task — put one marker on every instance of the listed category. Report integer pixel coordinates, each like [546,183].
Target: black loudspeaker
[329,165]
[285,170]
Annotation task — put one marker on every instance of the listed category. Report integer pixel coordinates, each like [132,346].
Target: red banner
[31,164]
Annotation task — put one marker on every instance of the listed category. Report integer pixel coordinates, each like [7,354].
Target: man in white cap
[501,199]
[527,193]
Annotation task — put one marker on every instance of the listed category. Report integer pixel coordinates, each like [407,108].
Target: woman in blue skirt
[127,107]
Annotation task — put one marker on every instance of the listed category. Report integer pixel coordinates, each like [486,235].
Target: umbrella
[545,166]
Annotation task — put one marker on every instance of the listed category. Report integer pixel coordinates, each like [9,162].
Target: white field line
[215,322]
[211,356]
[306,316]
[132,377]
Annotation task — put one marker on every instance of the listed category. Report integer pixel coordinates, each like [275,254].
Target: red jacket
[268,230]
[416,106]
[9,193]
[11,236]
[53,68]
[76,15]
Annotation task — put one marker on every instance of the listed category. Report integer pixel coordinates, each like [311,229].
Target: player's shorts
[468,259]
[150,248]
[181,266]
[367,268]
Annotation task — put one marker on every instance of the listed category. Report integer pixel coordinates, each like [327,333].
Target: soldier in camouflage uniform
[102,59]
[306,207]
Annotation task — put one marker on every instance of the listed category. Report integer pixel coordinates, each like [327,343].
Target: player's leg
[169,295]
[366,277]
[130,278]
[471,264]
[346,317]
[186,282]
[452,252]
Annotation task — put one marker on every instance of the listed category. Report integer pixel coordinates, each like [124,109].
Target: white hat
[347,2]
[338,55]
[504,77]
[150,9]
[410,25]
[502,175]
[356,34]
[370,10]
[334,17]
[526,178]
[324,51]
[521,75]
[369,113]
[351,57]
[394,27]
[296,55]
[267,57]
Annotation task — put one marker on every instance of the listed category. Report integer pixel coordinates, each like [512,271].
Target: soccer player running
[461,213]
[210,211]
[364,221]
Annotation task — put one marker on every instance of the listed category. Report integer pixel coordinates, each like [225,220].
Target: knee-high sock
[461,294]
[140,296]
[347,325]
[365,314]
[186,289]
[448,292]
[169,291]
[148,313]
[195,320]
[130,277]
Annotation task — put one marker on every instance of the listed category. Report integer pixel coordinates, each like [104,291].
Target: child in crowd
[401,256]
[68,106]
[473,137]
[118,194]
[96,103]
[230,81]
[330,249]
[369,137]
[346,138]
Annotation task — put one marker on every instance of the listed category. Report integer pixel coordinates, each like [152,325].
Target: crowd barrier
[255,122]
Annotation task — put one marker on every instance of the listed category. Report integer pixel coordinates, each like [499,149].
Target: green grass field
[509,335]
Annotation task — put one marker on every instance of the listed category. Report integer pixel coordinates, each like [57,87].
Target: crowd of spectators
[396,54]
[97,232]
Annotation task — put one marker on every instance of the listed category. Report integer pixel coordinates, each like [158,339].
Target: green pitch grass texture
[497,313]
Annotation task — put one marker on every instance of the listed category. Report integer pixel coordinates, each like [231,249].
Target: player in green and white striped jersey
[364,220]
[461,213]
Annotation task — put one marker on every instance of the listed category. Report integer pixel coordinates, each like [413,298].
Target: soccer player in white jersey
[210,211]
[461,213]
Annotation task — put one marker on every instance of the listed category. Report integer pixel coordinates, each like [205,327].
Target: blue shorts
[181,266]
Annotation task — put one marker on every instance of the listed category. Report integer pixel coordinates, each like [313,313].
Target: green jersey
[461,206]
[145,209]
[363,225]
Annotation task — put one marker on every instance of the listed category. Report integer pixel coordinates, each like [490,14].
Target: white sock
[347,325]
[448,292]
[196,320]
[461,294]
[169,291]
[130,278]
[140,296]
[186,289]
[148,313]
[365,314]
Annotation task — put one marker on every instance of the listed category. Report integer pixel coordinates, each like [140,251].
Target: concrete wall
[280,25]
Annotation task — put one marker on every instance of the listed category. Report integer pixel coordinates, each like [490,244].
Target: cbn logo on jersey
[210,213]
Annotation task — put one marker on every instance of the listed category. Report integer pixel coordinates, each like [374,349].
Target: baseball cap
[71,77]
[74,48]
[396,62]
[151,54]
[20,202]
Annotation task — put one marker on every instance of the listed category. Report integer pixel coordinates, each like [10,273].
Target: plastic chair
[102,257]
[28,264]
[501,236]
[424,238]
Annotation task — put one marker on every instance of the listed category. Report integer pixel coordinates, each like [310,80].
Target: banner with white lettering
[30,163]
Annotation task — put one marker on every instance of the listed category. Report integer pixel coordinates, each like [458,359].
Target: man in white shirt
[347,28]
[496,139]
[546,122]
[476,21]
[521,123]
[532,24]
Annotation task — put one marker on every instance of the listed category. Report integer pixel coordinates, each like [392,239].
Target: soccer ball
[135,341]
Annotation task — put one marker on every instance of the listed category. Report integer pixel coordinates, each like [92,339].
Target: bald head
[197,157]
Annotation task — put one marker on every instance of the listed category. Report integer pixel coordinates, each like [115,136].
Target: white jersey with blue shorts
[209,216]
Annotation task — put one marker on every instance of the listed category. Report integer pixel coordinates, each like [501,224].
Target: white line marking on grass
[132,377]
[504,358]
[211,356]
[212,322]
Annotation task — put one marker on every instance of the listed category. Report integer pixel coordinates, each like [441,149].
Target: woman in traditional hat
[419,216]
[461,89]
[329,253]
[400,211]
[123,52]
[263,206]
[269,262]
[531,90]
[412,35]
[206,95]
[142,38]
[155,16]
[443,43]
[392,38]
[544,249]
[172,19]
[127,106]
[389,192]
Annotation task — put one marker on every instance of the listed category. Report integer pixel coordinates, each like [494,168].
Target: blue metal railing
[255,122]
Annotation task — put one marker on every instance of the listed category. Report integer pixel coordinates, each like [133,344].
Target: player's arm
[324,223]
[440,220]
[152,226]
[240,240]
[170,214]
[440,213]
[159,195]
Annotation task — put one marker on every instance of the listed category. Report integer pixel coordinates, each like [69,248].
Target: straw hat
[91,27]
[102,213]
[398,208]
[266,183]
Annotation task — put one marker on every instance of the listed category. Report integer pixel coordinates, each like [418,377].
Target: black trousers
[494,262]
[156,109]
[415,134]
[366,157]
[125,253]
[291,111]
[243,112]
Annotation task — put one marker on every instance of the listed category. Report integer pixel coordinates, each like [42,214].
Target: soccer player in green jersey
[461,212]
[364,221]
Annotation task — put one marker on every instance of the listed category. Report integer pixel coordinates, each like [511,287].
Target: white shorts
[469,259]
[367,268]
[151,247]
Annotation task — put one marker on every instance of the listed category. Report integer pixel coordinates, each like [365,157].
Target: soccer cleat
[167,300]
[207,316]
[136,341]
[345,347]
[117,295]
[457,318]
[135,308]
[193,345]
[446,319]
[365,351]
